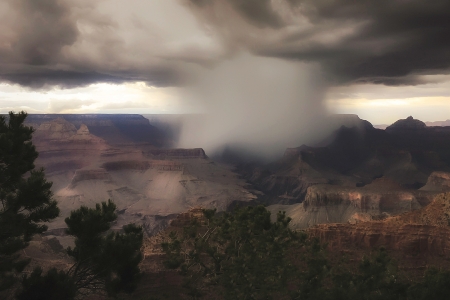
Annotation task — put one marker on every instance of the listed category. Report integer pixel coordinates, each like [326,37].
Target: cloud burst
[78,42]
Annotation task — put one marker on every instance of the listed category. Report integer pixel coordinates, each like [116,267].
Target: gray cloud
[40,30]
[42,77]
[71,43]
[258,12]
[77,42]
[391,42]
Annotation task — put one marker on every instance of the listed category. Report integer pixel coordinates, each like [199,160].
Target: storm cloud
[165,43]
[390,42]
[69,43]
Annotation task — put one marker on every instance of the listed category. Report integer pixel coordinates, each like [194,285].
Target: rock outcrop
[177,153]
[114,129]
[362,173]
[422,232]
[89,174]
[83,130]
[438,181]
[326,203]
[56,129]
[84,136]
[162,165]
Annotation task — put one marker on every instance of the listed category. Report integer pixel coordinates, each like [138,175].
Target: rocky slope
[420,237]
[325,203]
[115,129]
[361,174]
[149,185]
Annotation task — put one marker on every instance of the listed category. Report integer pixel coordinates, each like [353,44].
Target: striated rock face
[60,132]
[55,129]
[92,174]
[361,174]
[114,157]
[177,153]
[288,183]
[145,189]
[325,203]
[83,130]
[62,147]
[362,199]
[437,181]
[84,136]
[162,165]
[115,129]
[422,232]
[410,239]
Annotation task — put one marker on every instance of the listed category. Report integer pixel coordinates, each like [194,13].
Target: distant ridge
[428,124]
[407,124]
[113,128]
[439,123]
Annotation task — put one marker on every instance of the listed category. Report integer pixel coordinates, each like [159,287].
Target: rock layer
[422,232]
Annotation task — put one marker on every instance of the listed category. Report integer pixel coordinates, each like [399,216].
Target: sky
[255,62]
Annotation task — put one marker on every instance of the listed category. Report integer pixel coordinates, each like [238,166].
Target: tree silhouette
[25,196]
[104,261]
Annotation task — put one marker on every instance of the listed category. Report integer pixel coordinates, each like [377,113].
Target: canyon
[360,189]
[358,173]
[93,158]
[416,239]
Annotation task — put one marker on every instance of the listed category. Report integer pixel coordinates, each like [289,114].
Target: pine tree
[104,260]
[243,253]
[25,196]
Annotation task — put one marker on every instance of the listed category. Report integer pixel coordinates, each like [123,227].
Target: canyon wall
[424,231]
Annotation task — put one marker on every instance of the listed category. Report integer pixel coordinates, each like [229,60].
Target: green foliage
[122,255]
[54,285]
[243,253]
[312,271]
[376,278]
[104,261]
[245,256]
[435,285]
[88,226]
[25,196]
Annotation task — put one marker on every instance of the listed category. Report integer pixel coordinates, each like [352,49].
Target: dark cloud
[397,39]
[69,43]
[74,42]
[258,12]
[42,28]
[378,41]
[42,78]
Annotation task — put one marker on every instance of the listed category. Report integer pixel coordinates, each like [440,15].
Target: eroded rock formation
[361,174]
[56,129]
[90,174]
[422,232]
[176,153]
[162,165]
